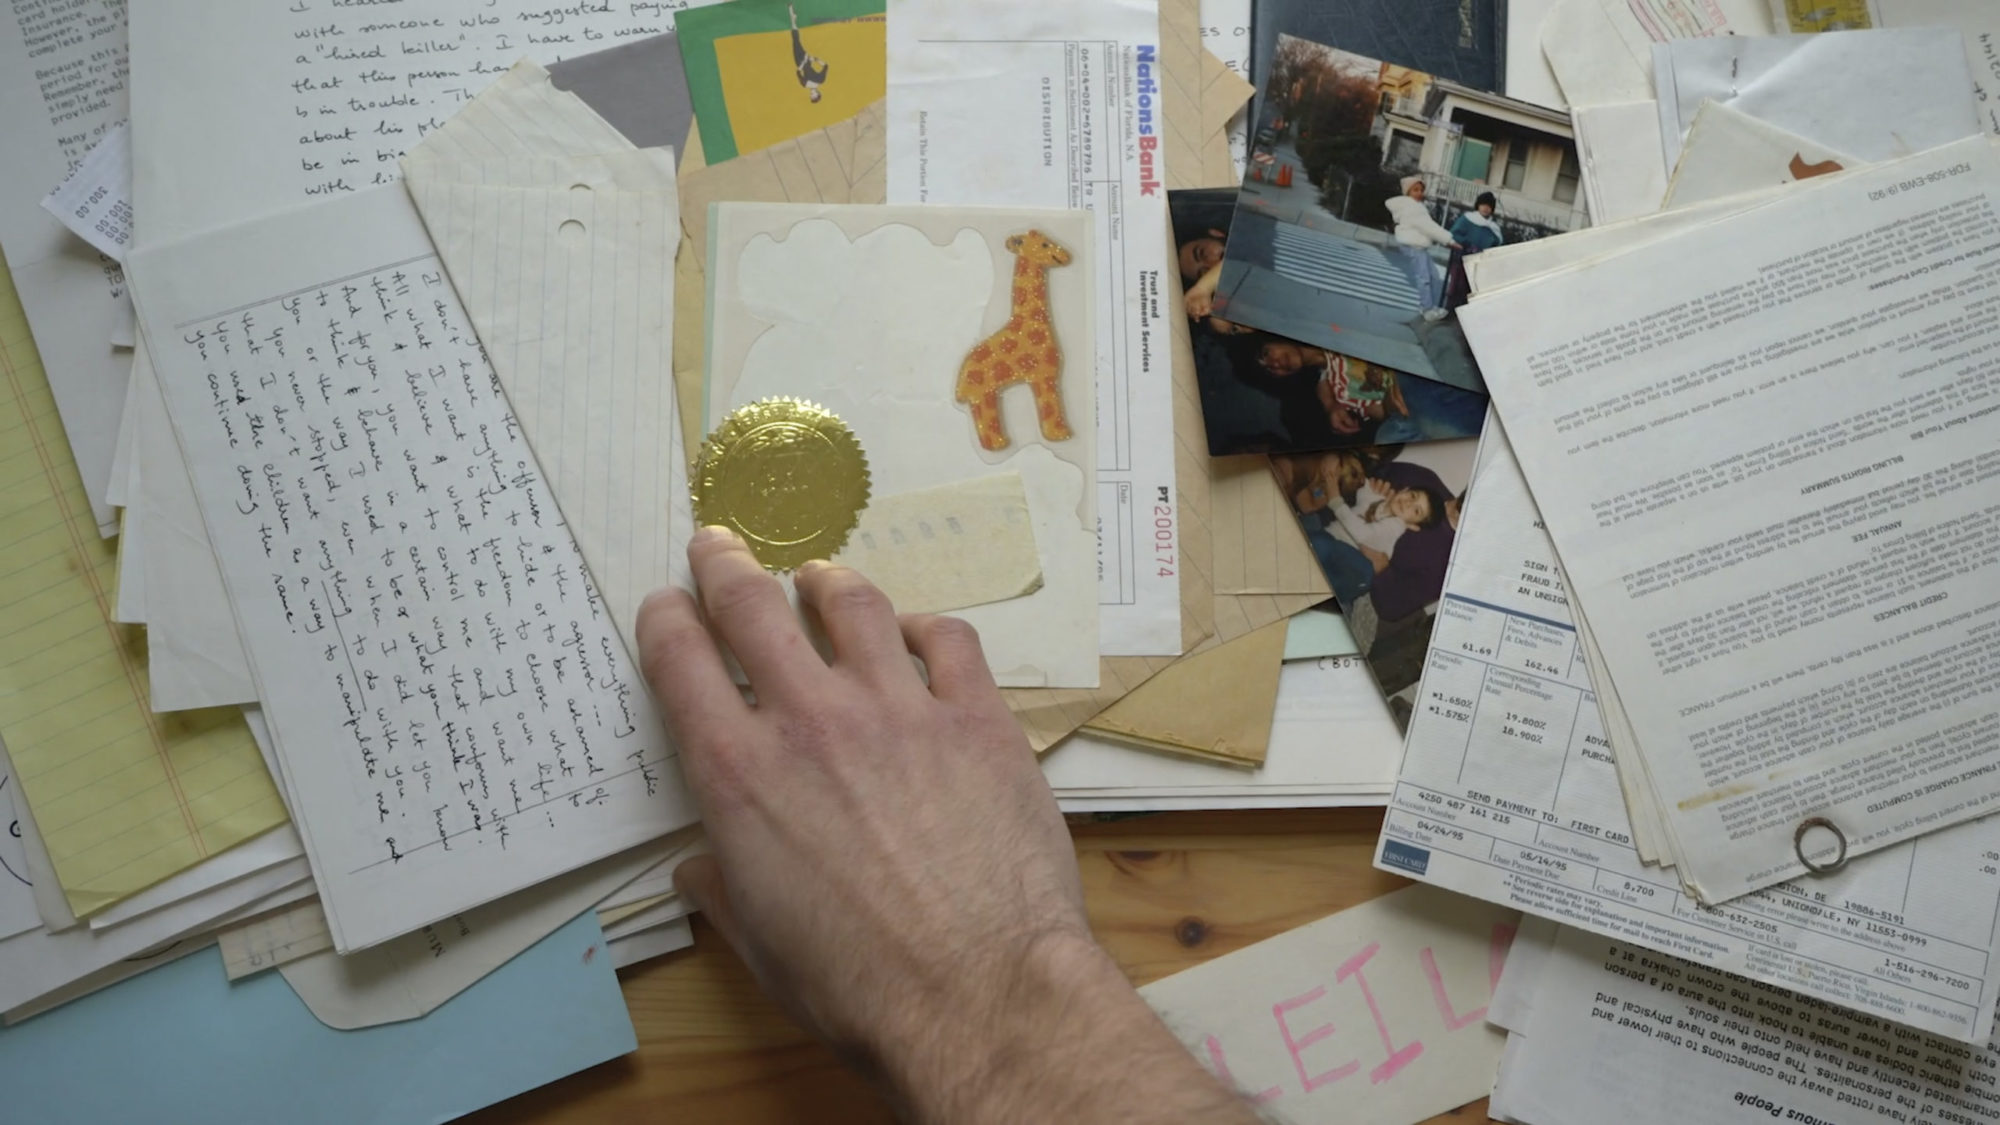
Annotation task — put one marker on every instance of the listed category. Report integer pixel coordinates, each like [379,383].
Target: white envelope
[1876,94]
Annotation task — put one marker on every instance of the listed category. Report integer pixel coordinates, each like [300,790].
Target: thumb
[699,881]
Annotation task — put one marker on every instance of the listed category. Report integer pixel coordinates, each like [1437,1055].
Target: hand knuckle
[734,594]
[664,623]
[949,632]
[857,596]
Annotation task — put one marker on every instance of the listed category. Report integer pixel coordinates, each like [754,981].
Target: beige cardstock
[968,543]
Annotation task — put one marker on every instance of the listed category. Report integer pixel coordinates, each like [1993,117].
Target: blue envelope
[181,1044]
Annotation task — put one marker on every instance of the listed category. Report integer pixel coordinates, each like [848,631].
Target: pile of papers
[1571,423]
[1705,694]
[352,392]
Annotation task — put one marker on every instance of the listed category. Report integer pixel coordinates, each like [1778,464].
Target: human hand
[888,859]
[1200,296]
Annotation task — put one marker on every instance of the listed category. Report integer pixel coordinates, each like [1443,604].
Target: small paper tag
[95,202]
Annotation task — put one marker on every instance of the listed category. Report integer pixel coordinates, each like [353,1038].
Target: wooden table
[1165,892]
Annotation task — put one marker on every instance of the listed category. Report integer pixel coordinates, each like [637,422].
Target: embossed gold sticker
[785,474]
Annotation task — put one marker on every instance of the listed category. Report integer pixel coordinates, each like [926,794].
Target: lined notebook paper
[559,237]
[453,712]
[124,798]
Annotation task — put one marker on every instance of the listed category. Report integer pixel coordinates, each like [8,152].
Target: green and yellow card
[764,71]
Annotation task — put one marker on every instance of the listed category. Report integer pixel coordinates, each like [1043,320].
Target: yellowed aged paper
[124,797]
[1198,95]
[967,543]
[1804,16]
[1217,705]
[1258,546]
[1224,94]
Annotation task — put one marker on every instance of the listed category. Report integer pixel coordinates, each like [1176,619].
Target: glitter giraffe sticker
[1024,350]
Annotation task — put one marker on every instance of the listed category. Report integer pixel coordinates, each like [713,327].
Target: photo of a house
[1367,184]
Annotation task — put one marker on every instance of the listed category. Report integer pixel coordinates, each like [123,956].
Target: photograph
[1368,184]
[1381,521]
[1262,393]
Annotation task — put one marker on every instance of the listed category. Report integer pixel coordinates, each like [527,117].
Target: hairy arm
[889,861]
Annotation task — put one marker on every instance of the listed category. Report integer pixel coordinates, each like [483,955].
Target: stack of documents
[376,358]
[1598,1029]
[1708,676]
[1636,412]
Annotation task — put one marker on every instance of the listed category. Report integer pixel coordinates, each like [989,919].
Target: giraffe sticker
[1024,350]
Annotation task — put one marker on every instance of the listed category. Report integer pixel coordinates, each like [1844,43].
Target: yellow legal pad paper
[123,797]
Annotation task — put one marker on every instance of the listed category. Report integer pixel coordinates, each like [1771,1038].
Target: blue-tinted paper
[181,1044]
[1463,40]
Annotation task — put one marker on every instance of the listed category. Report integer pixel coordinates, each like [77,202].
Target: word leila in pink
[1395,1058]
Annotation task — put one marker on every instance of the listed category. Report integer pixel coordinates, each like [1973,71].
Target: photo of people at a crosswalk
[1264,393]
[1368,185]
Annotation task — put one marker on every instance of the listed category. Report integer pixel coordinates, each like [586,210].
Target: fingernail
[714,533]
[811,565]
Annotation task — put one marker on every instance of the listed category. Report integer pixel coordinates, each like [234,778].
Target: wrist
[1059,1035]
[999,1032]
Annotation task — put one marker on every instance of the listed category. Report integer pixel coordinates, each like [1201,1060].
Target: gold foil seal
[785,474]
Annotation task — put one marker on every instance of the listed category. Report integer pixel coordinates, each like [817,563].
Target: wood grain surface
[1165,892]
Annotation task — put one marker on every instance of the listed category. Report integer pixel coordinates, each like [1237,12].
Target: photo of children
[1382,521]
[1267,394]
[1367,186]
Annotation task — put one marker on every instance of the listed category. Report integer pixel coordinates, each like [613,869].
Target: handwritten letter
[453,710]
[323,97]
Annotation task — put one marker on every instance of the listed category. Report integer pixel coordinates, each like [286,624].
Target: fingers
[699,881]
[747,609]
[951,654]
[678,657]
[858,619]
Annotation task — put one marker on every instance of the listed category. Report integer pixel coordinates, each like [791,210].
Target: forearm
[1064,1038]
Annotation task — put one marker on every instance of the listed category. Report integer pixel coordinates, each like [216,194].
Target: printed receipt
[1508,794]
[1053,103]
